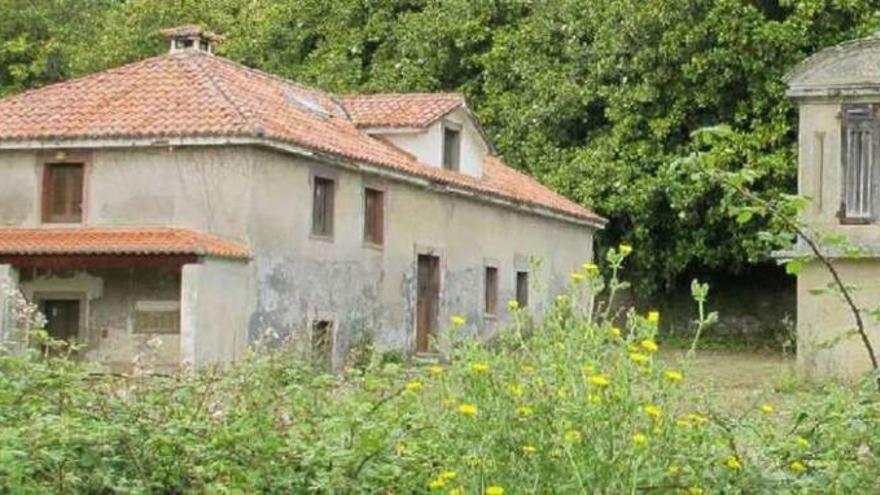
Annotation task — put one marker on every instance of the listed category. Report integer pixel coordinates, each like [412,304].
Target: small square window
[451,148]
[63,193]
[522,289]
[374,216]
[322,206]
[491,288]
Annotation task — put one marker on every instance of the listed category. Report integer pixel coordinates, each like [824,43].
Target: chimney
[191,38]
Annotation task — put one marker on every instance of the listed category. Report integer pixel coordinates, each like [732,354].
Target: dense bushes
[570,406]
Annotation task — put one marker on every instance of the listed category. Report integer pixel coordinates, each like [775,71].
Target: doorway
[427,300]
[62,318]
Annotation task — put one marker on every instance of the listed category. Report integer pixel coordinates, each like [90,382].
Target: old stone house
[190,198]
[838,95]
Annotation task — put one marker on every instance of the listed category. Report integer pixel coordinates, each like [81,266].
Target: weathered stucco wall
[264,198]
[827,344]
[8,282]
[216,302]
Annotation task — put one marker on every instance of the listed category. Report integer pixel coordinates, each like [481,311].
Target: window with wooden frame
[451,147]
[63,192]
[859,148]
[374,216]
[522,289]
[491,291]
[323,195]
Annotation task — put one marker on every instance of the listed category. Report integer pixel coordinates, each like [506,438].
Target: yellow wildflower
[591,269]
[456,491]
[515,390]
[639,358]
[600,380]
[513,305]
[572,436]
[639,439]
[652,411]
[673,470]
[614,332]
[653,317]
[468,409]
[436,370]
[767,409]
[650,346]
[733,463]
[577,277]
[448,475]
[797,467]
[457,320]
[494,490]
[414,386]
[524,411]
[529,449]
[673,375]
[697,418]
[803,442]
[480,368]
[625,249]
[695,490]
[593,398]
[436,484]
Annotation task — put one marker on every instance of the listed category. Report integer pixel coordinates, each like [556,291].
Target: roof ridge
[250,120]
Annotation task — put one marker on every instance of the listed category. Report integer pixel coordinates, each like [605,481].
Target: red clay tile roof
[193,95]
[119,241]
[394,110]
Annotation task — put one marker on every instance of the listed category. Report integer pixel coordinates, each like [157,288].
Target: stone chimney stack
[191,37]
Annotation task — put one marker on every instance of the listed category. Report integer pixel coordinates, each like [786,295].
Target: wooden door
[62,318]
[427,300]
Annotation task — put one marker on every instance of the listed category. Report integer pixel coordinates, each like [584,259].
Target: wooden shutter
[859,150]
[491,290]
[374,216]
[322,207]
[63,192]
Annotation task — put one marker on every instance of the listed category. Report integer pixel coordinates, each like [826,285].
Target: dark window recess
[451,148]
[322,207]
[491,290]
[522,289]
[322,342]
[63,193]
[860,148]
[374,216]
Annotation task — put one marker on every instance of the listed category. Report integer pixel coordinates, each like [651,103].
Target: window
[63,193]
[491,289]
[522,289]
[322,342]
[451,148]
[322,207]
[374,216]
[858,158]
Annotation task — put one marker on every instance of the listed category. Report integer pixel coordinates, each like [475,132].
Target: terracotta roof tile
[117,241]
[394,110]
[192,94]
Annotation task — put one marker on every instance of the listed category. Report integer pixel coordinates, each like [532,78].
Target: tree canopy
[597,98]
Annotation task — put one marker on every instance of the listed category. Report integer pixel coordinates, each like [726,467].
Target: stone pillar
[8,282]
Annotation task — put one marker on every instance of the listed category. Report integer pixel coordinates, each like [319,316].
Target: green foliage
[597,98]
[572,407]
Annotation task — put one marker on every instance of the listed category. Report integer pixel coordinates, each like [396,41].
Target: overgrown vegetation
[597,98]
[575,405]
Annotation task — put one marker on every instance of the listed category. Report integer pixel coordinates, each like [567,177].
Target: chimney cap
[191,37]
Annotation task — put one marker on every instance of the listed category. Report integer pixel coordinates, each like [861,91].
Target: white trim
[327,157]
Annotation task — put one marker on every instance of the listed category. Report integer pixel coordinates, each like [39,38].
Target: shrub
[577,405]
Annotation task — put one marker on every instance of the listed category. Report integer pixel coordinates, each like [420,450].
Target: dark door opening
[427,300]
[62,318]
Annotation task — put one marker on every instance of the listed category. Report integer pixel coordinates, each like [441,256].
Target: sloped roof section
[851,68]
[192,95]
[396,110]
[134,241]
